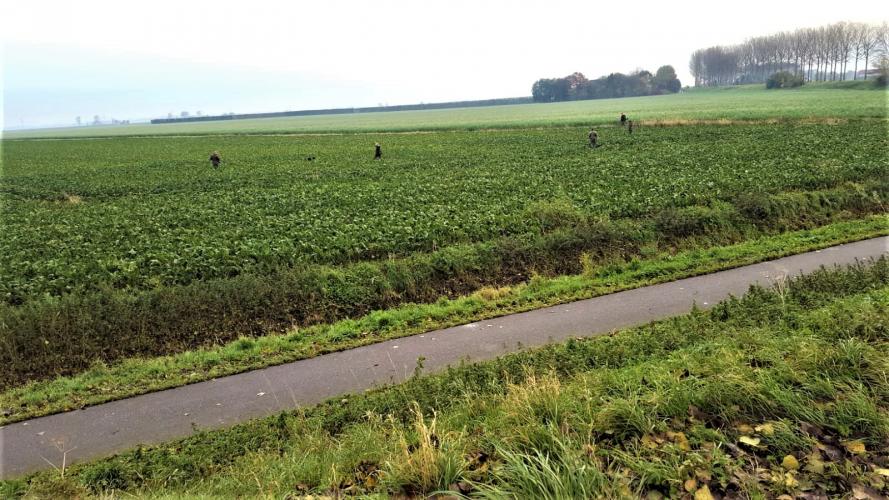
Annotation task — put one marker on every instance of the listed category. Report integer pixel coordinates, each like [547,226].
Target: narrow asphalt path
[103,430]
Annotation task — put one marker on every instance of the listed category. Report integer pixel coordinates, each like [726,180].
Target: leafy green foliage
[141,213]
[784,80]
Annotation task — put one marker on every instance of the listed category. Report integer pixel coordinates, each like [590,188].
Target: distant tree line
[576,86]
[813,54]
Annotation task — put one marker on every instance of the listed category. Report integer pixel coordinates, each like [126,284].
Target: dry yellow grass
[432,460]
[726,121]
[71,199]
[493,293]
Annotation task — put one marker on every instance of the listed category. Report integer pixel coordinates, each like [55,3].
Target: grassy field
[128,248]
[741,103]
[783,392]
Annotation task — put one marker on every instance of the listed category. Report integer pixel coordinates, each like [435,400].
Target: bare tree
[816,54]
[870,41]
[859,31]
[846,42]
[696,67]
[882,37]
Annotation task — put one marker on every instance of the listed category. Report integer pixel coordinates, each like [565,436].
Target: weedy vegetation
[781,392]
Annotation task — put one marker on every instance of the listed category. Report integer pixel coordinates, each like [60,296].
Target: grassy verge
[102,383]
[780,392]
[61,336]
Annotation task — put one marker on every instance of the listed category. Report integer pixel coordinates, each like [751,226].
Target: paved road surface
[175,413]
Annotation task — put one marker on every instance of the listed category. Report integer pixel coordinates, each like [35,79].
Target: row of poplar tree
[825,53]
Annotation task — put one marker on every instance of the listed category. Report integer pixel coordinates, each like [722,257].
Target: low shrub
[784,80]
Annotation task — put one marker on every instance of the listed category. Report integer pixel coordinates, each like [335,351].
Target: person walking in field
[378,151]
[214,159]
[623,120]
[594,138]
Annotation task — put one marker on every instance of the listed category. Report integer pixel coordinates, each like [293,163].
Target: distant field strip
[743,103]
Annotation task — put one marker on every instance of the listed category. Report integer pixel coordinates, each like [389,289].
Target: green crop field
[141,213]
[741,103]
[125,248]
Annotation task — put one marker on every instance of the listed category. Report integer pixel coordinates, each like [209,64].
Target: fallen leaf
[649,442]
[703,493]
[765,429]
[680,440]
[832,452]
[744,429]
[785,497]
[790,463]
[690,485]
[812,430]
[750,441]
[805,484]
[625,491]
[882,472]
[862,492]
[856,447]
[790,481]
[814,463]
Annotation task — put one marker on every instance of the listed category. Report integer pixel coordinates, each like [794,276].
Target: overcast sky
[143,59]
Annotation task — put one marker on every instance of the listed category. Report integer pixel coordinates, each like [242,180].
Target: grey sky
[131,60]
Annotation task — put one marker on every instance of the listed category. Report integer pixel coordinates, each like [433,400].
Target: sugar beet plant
[137,247]
[142,213]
